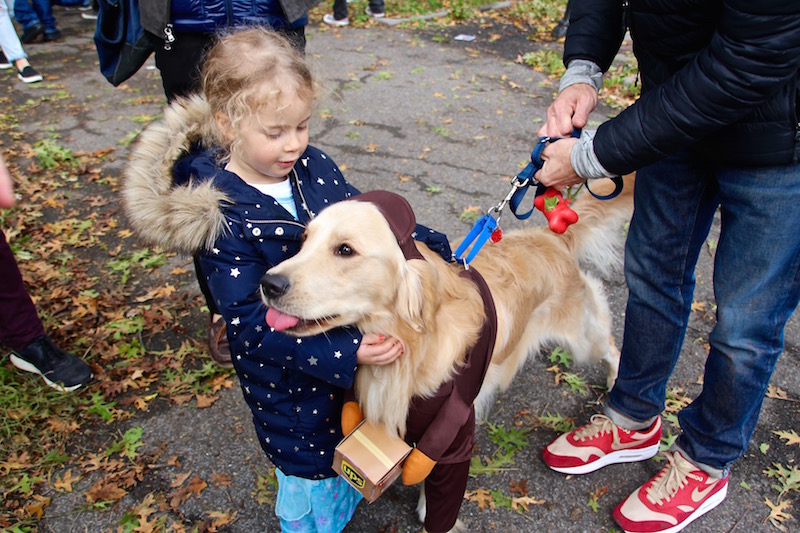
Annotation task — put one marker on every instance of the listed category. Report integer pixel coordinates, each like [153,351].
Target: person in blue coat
[229,175]
[185,30]
[716,130]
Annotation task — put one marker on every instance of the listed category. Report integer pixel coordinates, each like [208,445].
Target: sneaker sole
[622,456]
[708,505]
[22,364]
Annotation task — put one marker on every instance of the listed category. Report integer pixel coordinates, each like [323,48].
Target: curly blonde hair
[250,69]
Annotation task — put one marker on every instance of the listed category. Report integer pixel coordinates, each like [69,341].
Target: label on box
[370,459]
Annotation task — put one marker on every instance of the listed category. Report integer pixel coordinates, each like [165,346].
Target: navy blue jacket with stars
[294,387]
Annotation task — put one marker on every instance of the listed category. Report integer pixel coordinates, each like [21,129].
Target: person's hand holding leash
[557,171]
[569,110]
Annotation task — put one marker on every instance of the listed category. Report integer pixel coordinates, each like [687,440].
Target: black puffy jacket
[719,77]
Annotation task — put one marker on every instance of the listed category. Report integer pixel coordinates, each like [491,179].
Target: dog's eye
[344,249]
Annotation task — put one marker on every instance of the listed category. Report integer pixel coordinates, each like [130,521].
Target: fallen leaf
[789,436]
[65,482]
[180,479]
[206,400]
[104,492]
[37,509]
[777,513]
[221,479]
[482,497]
[524,502]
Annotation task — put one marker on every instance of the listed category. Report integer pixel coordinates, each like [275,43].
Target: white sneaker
[369,12]
[329,19]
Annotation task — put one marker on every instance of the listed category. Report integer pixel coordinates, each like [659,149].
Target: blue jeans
[41,12]
[756,287]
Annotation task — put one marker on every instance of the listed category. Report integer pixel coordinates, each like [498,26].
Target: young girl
[230,174]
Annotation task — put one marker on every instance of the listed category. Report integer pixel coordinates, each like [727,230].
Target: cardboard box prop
[370,459]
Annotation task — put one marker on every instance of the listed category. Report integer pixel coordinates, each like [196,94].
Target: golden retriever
[352,271]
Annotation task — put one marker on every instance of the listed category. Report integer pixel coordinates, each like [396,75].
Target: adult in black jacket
[716,127]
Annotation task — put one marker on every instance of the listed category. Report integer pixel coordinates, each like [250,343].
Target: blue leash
[489,223]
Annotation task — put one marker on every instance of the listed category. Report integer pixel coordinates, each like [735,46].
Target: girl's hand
[378,350]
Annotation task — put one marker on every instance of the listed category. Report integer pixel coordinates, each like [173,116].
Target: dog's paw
[422,509]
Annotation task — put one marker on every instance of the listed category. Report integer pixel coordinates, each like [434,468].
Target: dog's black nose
[273,285]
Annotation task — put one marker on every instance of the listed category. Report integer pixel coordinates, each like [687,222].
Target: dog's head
[358,266]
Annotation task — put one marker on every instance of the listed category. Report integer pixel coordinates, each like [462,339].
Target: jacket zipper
[303,202]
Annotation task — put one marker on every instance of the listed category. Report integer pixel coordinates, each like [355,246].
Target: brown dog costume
[442,427]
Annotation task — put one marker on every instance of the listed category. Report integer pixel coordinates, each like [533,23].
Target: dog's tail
[598,238]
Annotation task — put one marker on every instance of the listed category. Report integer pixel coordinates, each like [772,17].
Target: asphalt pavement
[446,124]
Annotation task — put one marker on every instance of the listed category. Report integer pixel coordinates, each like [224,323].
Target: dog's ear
[411,295]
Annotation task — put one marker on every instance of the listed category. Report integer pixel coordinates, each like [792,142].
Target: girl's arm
[234,270]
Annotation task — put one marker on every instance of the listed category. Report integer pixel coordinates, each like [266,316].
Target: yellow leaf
[777,513]
[206,400]
[482,497]
[524,502]
[220,519]
[37,509]
[65,483]
[777,393]
[789,436]
[180,479]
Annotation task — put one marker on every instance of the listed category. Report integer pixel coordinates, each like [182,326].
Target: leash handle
[617,189]
[527,175]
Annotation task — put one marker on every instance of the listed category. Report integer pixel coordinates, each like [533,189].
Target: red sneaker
[600,443]
[678,495]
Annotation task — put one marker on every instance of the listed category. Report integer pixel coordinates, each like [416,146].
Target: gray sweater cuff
[583,159]
[582,71]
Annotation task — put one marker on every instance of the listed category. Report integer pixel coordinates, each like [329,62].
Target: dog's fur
[350,271]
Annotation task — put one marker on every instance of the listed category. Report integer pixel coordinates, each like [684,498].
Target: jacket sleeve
[435,240]
[595,32]
[754,53]
[234,269]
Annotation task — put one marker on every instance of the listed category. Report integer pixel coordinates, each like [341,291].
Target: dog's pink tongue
[280,321]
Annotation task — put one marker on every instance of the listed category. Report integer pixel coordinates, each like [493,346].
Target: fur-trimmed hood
[186,218]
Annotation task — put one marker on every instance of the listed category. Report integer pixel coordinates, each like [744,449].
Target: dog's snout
[274,285]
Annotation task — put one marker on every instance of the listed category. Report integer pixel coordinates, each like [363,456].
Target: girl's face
[271,141]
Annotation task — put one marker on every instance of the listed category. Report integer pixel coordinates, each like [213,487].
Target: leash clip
[485,227]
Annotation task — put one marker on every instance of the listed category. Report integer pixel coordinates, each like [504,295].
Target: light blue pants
[9,40]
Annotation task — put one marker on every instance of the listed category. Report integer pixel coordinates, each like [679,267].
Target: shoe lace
[671,479]
[598,425]
[221,334]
